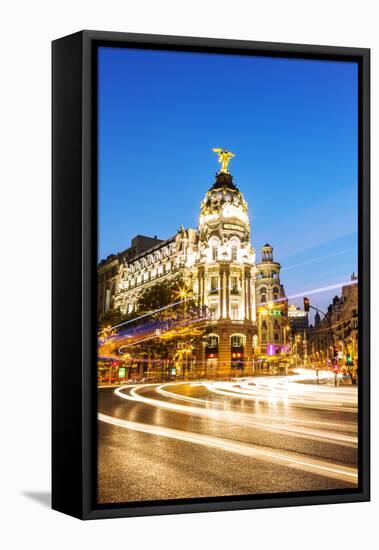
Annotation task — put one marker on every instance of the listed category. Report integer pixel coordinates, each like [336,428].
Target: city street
[265,434]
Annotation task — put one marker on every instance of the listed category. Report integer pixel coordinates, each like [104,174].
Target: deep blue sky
[291,123]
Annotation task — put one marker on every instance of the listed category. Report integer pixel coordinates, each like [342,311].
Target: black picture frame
[74,295]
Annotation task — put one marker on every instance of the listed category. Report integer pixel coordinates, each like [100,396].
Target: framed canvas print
[210,275]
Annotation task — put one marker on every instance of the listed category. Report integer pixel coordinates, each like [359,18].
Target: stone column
[249,316]
[201,285]
[227,292]
[206,287]
[243,293]
[253,300]
[221,292]
[224,353]
[225,314]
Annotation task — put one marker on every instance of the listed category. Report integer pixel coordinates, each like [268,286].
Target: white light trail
[317,290]
[289,459]
[288,390]
[238,418]
[312,260]
[347,426]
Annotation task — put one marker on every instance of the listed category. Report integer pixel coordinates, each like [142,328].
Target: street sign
[272,312]
[122,372]
[297,313]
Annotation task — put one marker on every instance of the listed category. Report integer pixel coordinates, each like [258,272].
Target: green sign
[122,372]
[272,312]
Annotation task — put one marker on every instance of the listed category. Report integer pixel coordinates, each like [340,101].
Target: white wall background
[26,31]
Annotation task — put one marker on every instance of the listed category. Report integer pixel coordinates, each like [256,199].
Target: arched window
[263,298]
[212,341]
[237,341]
[264,325]
[214,253]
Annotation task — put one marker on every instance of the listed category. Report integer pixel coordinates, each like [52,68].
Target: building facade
[271,306]
[336,340]
[298,330]
[245,304]
[217,261]
[108,271]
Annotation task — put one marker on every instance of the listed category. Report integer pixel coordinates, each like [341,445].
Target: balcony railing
[235,291]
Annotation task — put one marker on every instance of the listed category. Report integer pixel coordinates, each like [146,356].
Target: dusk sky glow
[291,123]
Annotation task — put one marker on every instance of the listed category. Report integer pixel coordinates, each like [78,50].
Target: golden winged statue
[224,157]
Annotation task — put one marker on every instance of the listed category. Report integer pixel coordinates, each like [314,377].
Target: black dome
[224,179]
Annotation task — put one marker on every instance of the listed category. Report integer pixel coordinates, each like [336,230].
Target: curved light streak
[289,459]
[348,426]
[239,418]
[289,391]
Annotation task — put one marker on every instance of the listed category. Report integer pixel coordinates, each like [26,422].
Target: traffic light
[335,352]
[349,360]
[306,304]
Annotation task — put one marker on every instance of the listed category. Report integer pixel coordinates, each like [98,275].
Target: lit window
[214,285]
[234,285]
[212,341]
[235,312]
[237,341]
[213,311]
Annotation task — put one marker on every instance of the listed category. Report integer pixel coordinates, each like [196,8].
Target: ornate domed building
[218,262]
[225,276]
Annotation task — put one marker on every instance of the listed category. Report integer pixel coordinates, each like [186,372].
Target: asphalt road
[190,440]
